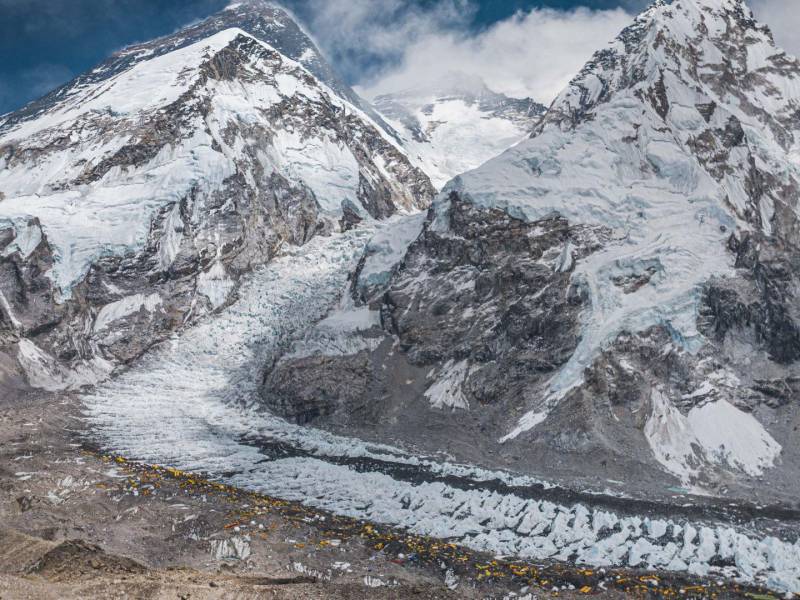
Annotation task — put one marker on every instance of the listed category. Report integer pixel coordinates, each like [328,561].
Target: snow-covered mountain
[133,198]
[578,335]
[615,297]
[457,124]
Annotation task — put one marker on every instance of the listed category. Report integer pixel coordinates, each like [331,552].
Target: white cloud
[783,17]
[388,45]
[364,37]
[531,54]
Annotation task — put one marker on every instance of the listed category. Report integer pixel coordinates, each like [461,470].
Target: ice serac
[133,199]
[456,124]
[614,297]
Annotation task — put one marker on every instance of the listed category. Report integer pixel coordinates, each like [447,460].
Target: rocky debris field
[77,523]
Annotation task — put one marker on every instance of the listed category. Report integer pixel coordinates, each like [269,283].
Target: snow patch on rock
[28,236]
[387,249]
[120,309]
[45,372]
[716,432]
[446,390]
[215,284]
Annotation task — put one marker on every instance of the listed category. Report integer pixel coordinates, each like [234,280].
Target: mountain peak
[264,20]
[716,47]
[163,96]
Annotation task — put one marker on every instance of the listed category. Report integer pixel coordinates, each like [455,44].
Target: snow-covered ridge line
[199,414]
[149,84]
[269,22]
[171,80]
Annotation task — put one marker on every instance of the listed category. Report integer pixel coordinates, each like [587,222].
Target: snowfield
[461,137]
[456,124]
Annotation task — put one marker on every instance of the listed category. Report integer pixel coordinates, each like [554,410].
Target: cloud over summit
[390,45]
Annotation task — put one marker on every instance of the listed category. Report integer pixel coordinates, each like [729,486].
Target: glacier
[192,403]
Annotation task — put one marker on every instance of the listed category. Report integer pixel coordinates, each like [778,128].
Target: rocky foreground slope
[612,299]
[134,198]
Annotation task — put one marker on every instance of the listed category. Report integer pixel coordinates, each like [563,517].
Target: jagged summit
[264,20]
[275,25]
[717,44]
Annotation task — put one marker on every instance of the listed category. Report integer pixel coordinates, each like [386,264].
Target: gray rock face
[760,304]
[503,276]
[250,152]
[488,303]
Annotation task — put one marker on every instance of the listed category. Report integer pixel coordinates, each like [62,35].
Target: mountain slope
[135,197]
[614,297]
[456,125]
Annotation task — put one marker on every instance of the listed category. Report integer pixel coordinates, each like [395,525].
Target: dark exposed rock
[779,392]
[307,389]
[73,558]
[657,96]
[487,292]
[762,301]
[30,304]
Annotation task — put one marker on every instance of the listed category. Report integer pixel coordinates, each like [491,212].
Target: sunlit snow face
[113,215]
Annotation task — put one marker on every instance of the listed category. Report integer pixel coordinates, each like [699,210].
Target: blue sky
[47,42]
[375,44]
